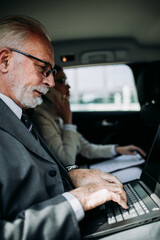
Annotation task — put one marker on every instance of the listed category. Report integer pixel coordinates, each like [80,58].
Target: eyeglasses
[47,69]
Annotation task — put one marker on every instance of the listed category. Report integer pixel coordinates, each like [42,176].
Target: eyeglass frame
[53,70]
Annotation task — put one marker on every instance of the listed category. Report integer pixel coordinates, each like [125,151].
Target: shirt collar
[12,105]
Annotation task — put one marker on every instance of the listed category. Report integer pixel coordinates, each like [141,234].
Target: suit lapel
[11,124]
[62,169]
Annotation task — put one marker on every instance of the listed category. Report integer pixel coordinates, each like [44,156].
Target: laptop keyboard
[115,213]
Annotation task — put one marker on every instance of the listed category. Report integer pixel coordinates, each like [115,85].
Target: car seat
[148,89]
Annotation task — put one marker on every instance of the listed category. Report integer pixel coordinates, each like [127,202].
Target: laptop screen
[151,172]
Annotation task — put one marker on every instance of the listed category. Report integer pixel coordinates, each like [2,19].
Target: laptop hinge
[155,199]
[151,194]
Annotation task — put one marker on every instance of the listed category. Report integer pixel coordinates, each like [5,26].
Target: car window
[102,88]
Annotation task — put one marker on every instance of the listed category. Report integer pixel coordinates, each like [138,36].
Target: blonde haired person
[54,120]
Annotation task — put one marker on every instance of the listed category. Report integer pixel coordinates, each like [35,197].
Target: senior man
[39,198]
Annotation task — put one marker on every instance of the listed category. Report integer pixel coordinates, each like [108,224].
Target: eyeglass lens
[47,70]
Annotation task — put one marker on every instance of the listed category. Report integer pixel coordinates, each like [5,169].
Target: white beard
[25,95]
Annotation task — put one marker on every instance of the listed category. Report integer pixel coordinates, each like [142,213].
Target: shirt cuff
[113,150]
[70,127]
[75,204]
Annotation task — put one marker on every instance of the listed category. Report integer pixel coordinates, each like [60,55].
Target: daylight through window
[102,88]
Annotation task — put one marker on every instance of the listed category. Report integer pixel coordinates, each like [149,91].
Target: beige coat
[66,144]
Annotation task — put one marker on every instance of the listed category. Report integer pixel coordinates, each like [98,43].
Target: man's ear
[5,55]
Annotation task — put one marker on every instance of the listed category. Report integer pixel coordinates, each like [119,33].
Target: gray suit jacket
[31,204]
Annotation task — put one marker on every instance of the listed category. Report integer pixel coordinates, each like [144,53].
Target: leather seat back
[148,89]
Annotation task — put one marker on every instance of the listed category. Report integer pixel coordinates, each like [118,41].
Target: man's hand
[95,187]
[130,150]
[93,195]
[82,177]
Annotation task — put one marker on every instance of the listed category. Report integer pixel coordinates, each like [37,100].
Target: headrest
[148,86]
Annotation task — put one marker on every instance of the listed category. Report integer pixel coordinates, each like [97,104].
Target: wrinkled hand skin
[93,195]
[95,187]
[82,177]
[130,150]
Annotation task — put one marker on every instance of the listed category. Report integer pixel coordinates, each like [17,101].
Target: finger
[124,196]
[131,152]
[139,150]
[119,190]
[111,178]
[119,199]
[142,152]
[115,188]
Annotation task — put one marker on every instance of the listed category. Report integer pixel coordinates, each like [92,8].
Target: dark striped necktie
[27,121]
[31,127]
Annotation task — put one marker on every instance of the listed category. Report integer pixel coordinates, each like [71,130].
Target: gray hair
[15,29]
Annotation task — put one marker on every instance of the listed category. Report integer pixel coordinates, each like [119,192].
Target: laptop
[143,200]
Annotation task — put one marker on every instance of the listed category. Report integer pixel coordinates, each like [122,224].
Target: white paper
[120,162]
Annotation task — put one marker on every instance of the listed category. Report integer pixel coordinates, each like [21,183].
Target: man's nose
[49,81]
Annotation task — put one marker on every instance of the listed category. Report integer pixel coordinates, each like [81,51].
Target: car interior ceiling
[91,32]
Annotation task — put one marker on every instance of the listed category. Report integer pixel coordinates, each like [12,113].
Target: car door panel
[111,127]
